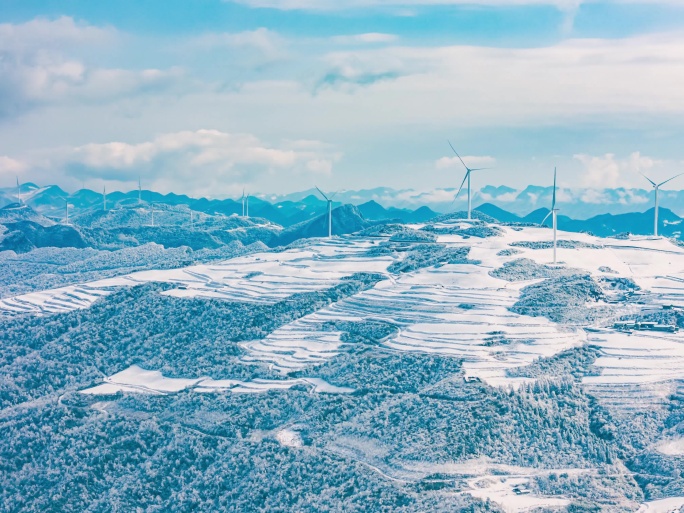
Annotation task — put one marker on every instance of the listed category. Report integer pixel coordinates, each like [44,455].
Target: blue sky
[208,96]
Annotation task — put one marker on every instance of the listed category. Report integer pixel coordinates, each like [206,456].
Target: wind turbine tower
[19,200]
[104,198]
[656,187]
[330,201]
[152,212]
[554,213]
[466,177]
[66,217]
[139,192]
[245,203]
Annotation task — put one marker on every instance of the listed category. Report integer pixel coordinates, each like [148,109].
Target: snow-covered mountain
[580,203]
[440,364]
[290,209]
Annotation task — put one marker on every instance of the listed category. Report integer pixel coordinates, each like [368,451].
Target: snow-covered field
[137,380]
[638,370]
[457,310]
[260,278]
[454,310]
[670,505]
[451,310]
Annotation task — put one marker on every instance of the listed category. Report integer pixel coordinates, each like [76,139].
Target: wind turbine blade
[669,179]
[459,157]
[323,194]
[553,202]
[547,216]
[480,169]
[333,195]
[647,178]
[461,187]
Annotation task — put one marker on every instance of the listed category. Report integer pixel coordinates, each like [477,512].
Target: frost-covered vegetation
[418,418]
[61,450]
[481,231]
[564,299]
[509,252]
[50,267]
[524,269]
[563,244]
[476,215]
[429,255]
[397,233]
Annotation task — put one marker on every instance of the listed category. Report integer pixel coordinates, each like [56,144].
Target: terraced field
[468,312]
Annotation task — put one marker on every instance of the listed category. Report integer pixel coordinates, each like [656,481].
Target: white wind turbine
[656,187]
[330,201]
[553,212]
[19,199]
[466,177]
[104,198]
[139,191]
[66,217]
[245,204]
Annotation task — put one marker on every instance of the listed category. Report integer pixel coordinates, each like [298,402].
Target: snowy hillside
[450,362]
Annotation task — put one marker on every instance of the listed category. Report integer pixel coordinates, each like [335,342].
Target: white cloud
[484,85]
[609,171]
[10,166]
[471,161]
[601,171]
[367,38]
[42,33]
[269,43]
[212,161]
[507,197]
[38,66]
[330,5]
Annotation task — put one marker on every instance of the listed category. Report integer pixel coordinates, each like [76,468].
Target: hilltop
[342,359]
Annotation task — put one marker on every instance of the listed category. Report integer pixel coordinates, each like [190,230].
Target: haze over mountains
[36,217]
[574,203]
[581,203]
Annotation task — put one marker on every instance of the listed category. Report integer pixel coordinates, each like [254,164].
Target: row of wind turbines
[554,210]
[244,199]
[466,178]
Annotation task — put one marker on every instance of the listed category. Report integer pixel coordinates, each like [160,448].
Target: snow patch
[671,505]
[289,438]
[137,380]
[672,447]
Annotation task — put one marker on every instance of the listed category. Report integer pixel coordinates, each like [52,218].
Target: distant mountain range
[50,201]
[605,225]
[291,209]
[576,203]
[176,220]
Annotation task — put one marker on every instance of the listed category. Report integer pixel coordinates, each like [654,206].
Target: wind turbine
[554,213]
[329,200]
[104,198]
[245,204]
[66,218]
[656,187]
[466,177]
[152,212]
[139,191]
[21,202]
